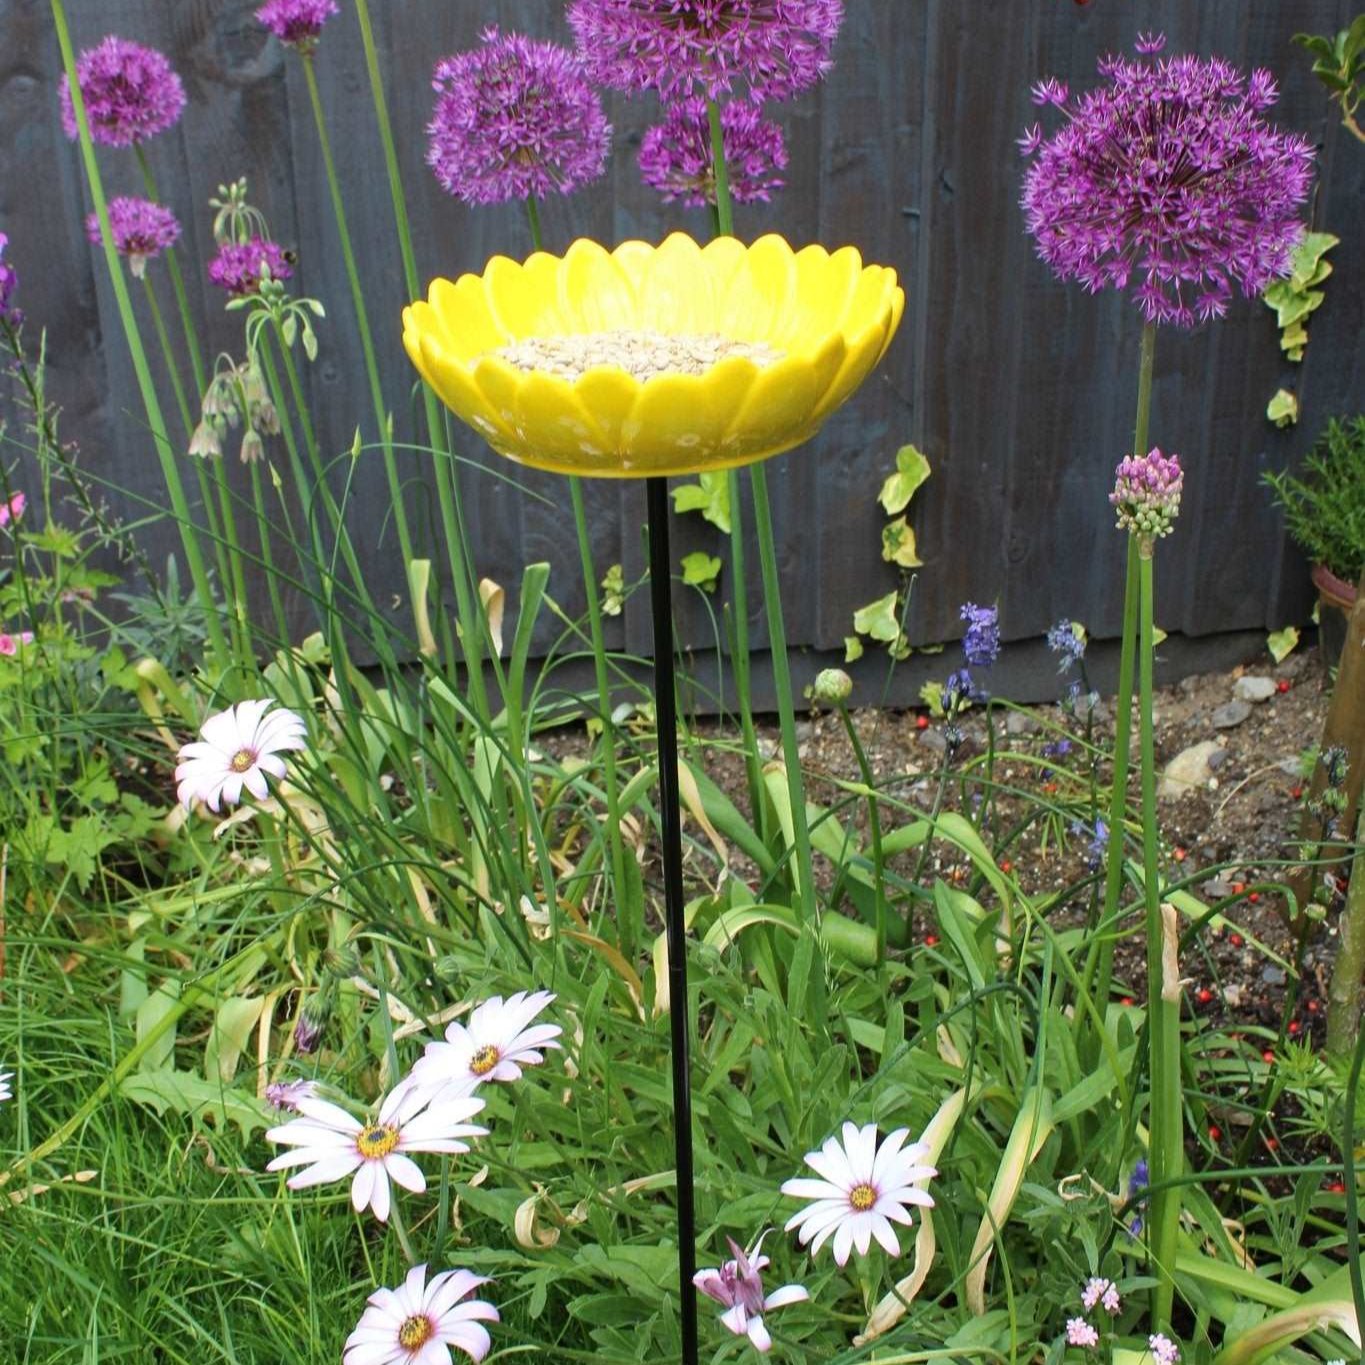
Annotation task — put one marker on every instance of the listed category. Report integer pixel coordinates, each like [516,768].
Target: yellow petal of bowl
[827,316]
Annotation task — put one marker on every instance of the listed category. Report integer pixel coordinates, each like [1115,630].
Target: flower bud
[1147,493]
[832,685]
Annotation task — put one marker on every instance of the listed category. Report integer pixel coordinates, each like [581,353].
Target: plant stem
[217,640]
[1163,994]
[786,711]
[362,315]
[1102,955]
[725,219]
[875,827]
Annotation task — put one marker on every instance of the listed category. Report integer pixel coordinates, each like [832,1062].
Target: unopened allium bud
[832,685]
[1147,493]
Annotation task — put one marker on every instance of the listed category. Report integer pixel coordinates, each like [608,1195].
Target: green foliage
[883,620]
[710,496]
[1297,296]
[701,570]
[1340,66]
[1324,505]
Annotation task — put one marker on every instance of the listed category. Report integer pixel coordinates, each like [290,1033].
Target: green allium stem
[875,828]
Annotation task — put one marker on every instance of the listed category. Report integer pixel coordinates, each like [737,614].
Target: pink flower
[9,644]
[1164,1350]
[296,22]
[1104,1292]
[675,155]
[1081,1333]
[142,230]
[13,509]
[130,93]
[738,1285]
[239,266]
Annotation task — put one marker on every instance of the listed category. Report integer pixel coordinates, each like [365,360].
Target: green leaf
[710,496]
[898,544]
[185,1093]
[701,570]
[232,1027]
[911,470]
[1283,409]
[853,649]
[613,591]
[1281,643]
[878,619]
[931,694]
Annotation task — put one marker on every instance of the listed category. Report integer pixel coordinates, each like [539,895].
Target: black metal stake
[666,722]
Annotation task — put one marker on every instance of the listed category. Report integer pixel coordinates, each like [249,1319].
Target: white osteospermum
[5,1092]
[494,1045]
[237,748]
[332,1144]
[419,1323]
[862,1189]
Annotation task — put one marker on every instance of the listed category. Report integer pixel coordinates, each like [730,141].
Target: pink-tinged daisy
[237,748]
[130,93]
[420,1323]
[862,1189]
[6,1093]
[142,230]
[332,1144]
[1081,1333]
[494,1045]
[738,1284]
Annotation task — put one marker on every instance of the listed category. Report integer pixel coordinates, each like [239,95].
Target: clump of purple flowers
[1096,837]
[1137,1182]
[296,22]
[1147,493]
[515,119]
[9,281]
[771,48]
[1067,642]
[981,643]
[1169,171]
[130,93]
[675,155]
[240,266]
[142,230]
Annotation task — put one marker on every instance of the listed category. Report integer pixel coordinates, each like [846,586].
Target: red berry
[1235,940]
[1049,787]
[1215,1132]
[1253,896]
[1336,1187]
[1007,866]
[1313,1006]
[1205,995]
[1296,792]
[1180,855]
[1268,1055]
[1294,1026]
[1127,1000]
[931,940]
[1271,1143]
[1238,888]
[1282,685]
[921,722]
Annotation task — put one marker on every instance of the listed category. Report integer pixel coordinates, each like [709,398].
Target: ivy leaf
[701,570]
[898,544]
[613,591]
[853,649]
[1282,643]
[1283,409]
[878,619]
[931,694]
[911,470]
[710,496]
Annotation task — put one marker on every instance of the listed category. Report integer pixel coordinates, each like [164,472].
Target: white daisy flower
[863,1188]
[6,1092]
[331,1144]
[419,1323]
[494,1045]
[738,1285]
[237,748]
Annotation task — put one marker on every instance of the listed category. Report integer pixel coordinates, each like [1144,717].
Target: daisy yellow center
[415,1331]
[484,1060]
[242,760]
[376,1141]
[861,1198]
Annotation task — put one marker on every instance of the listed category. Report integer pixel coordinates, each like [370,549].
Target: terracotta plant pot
[1335,600]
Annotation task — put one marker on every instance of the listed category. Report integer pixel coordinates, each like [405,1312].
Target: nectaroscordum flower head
[675,155]
[515,119]
[296,22]
[1146,493]
[1168,172]
[142,230]
[771,48]
[238,266]
[130,93]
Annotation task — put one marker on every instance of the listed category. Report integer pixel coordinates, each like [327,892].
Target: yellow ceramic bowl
[829,316]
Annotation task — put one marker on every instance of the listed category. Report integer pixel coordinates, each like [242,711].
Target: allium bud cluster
[1147,493]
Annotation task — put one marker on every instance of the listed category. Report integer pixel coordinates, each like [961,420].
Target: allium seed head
[675,155]
[515,119]
[1167,173]
[130,93]
[772,48]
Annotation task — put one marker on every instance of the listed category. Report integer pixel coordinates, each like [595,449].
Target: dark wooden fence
[1019,389]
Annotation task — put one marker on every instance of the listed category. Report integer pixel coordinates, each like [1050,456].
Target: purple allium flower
[1147,493]
[142,230]
[1149,44]
[9,281]
[775,48]
[1066,641]
[238,266]
[296,22]
[1080,1333]
[515,119]
[130,93]
[675,155]
[981,643]
[1170,172]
